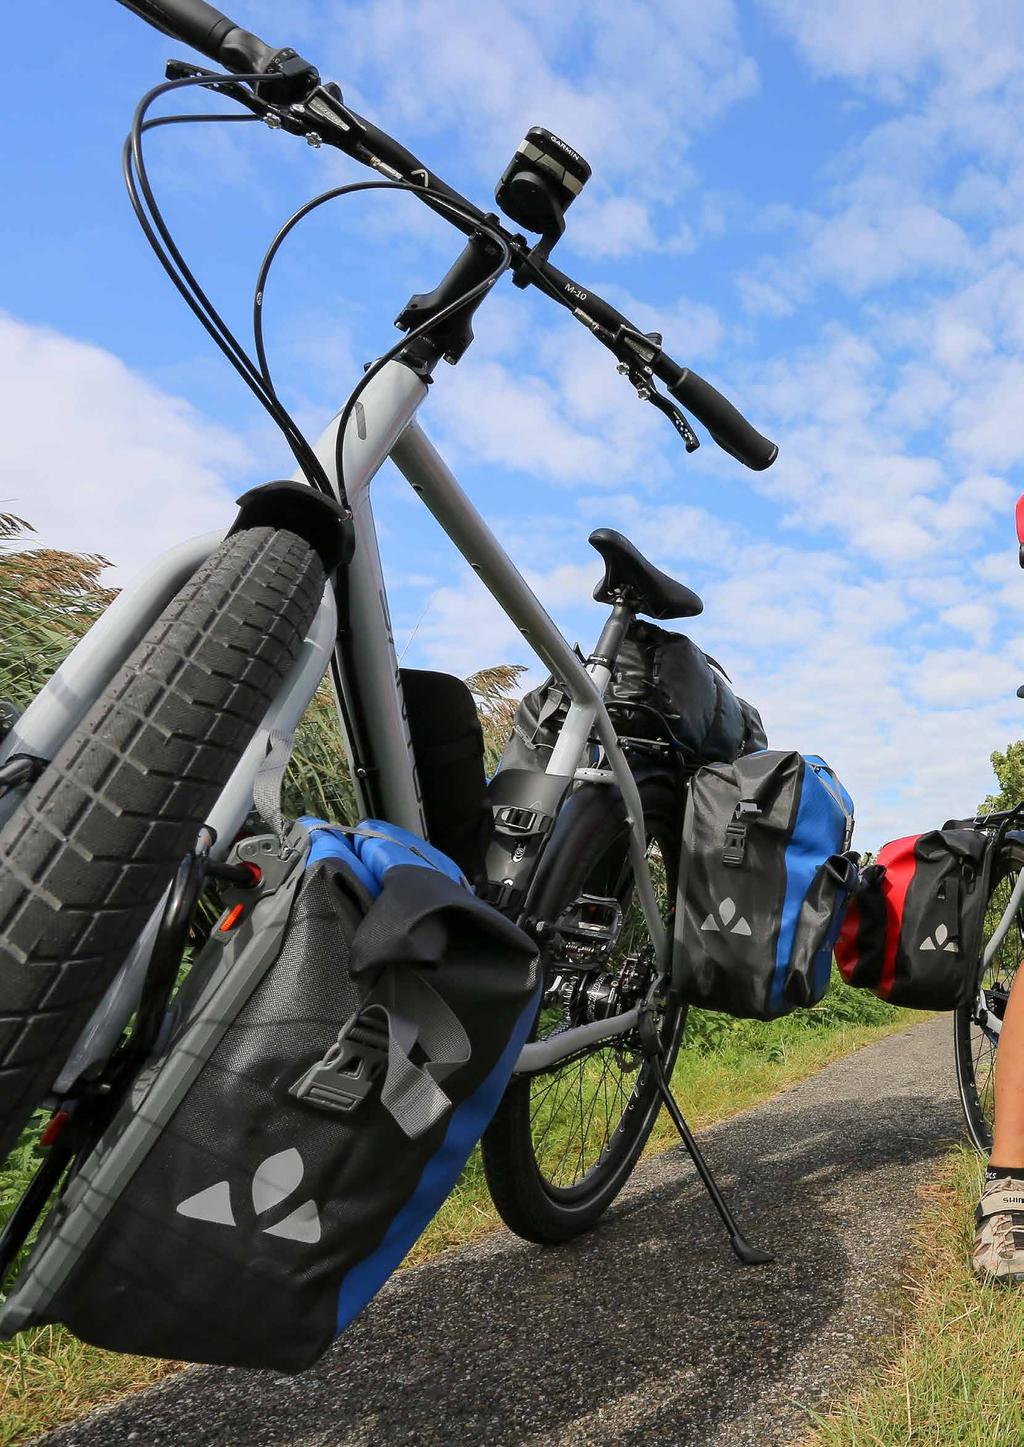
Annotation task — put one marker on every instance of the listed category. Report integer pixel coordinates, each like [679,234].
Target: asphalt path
[646,1330]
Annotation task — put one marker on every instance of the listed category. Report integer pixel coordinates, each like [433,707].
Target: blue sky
[822,208]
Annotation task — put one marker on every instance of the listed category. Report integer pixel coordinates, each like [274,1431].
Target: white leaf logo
[274,1180]
[727,913]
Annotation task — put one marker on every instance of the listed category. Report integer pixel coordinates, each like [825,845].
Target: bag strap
[736,832]
[418,1016]
[269,781]
[383,1033]
[363,831]
[951,908]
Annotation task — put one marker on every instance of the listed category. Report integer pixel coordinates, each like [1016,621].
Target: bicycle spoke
[577,1110]
[978,1047]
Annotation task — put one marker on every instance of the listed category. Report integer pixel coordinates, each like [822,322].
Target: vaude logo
[277,1178]
[941,941]
[727,920]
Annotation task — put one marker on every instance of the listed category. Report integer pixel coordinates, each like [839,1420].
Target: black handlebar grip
[727,426]
[201,26]
[214,35]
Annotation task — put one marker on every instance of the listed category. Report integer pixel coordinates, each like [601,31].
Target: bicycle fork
[650,1043]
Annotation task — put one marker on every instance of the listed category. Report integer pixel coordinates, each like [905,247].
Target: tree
[1009,771]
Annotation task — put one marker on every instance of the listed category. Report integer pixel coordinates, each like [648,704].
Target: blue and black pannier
[330,1061]
[764,881]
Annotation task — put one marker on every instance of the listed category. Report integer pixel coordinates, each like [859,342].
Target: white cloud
[627,86]
[864,248]
[865,597]
[578,425]
[840,666]
[615,226]
[976,43]
[101,460]
[977,620]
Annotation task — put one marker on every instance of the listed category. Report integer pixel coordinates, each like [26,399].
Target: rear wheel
[976,1026]
[87,855]
[563,1143]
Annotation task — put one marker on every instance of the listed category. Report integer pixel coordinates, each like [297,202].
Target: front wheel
[87,855]
[563,1143]
[976,1026]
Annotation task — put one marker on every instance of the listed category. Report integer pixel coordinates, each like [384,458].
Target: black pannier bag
[448,746]
[336,1051]
[763,883]
[662,684]
[913,933]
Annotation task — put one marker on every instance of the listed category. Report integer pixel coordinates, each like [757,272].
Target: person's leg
[1008,1135]
[999,1220]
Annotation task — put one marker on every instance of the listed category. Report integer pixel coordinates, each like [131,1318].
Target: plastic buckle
[515,820]
[342,1080]
[503,896]
[735,843]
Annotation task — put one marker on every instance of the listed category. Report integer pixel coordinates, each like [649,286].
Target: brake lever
[642,378]
[677,417]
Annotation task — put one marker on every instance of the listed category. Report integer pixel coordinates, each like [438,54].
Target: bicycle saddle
[629,577]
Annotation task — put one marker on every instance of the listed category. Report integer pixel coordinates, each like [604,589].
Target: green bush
[708,1031]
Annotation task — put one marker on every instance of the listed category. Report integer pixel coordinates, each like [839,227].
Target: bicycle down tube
[384,425]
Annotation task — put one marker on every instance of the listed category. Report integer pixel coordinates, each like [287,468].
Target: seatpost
[572,738]
[607,649]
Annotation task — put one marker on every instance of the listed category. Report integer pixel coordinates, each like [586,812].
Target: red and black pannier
[913,931]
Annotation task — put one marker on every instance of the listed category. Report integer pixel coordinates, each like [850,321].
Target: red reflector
[232,918]
[1020,520]
[254,870]
[54,1126]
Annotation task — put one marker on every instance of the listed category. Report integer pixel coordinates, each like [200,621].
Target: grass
[953,1371]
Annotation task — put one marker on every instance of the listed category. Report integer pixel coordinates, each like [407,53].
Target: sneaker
[999,1233]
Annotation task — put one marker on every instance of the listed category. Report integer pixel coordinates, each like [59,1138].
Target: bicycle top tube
[293,95]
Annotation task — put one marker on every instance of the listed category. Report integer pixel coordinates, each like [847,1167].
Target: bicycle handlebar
[289,77]
[726,423]
[295,82]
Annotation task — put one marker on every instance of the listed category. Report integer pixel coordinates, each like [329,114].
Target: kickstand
[749,1255]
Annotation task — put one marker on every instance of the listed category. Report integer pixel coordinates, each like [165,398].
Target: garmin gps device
[541,181]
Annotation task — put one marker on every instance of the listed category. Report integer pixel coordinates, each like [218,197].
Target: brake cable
[256,374]
[467,297]
[171,259]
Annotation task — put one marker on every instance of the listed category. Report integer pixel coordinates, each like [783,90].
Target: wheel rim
[980,1041]
[585,1113]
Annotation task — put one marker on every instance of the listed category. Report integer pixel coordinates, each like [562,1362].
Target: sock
[1001,1173]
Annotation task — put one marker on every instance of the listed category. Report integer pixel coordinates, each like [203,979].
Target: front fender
[321,521]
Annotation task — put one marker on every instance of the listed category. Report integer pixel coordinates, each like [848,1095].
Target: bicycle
[169,711]
[977,1026]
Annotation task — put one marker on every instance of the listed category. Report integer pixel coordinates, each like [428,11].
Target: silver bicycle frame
[382,425]
[992,1023]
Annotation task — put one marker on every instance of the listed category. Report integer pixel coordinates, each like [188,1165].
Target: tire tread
[84,860]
